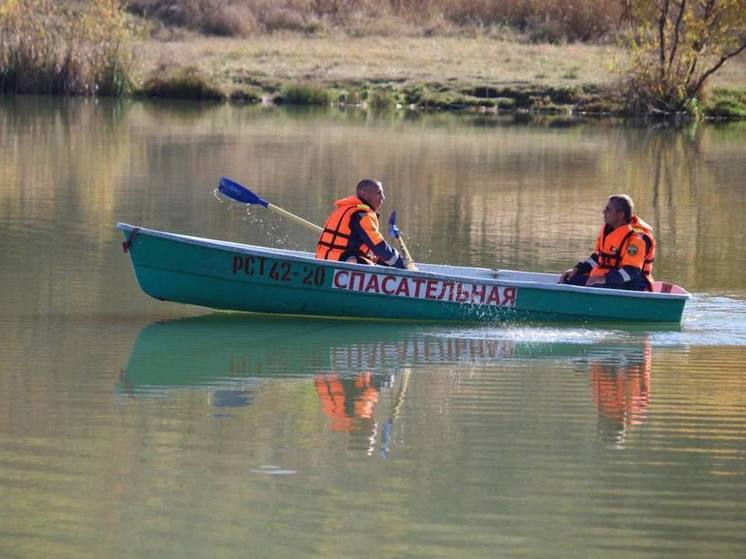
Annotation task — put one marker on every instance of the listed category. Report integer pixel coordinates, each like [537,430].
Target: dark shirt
[385,252]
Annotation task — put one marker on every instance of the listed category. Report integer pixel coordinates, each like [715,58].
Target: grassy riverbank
[452,56]
[432,72]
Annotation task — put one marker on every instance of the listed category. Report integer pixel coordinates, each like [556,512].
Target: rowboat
[239,277]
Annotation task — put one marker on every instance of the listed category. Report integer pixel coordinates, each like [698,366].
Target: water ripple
[709,320]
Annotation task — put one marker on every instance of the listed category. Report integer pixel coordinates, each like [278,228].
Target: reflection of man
[346,399]
[349,403]
[621,390]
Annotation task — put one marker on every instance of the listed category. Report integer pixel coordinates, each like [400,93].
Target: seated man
[351,233]
[624,254]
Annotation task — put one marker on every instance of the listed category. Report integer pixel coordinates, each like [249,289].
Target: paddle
[396,234]
[240,193]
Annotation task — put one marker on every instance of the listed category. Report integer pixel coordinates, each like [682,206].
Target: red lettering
[432,286]
[385,285]
[478,293]
[403,288]
[373,284]
[357,279]
[338,275]
[509,294]
[417,284]
[494,296]
[446,287]
[461,294]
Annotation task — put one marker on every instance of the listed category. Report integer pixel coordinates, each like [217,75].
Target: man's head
[618,210]
[371,192]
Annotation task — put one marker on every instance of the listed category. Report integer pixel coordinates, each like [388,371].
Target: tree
[677,45]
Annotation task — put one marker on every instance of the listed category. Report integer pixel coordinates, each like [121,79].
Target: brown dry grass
[344,44]
[541,20]
[64,48]
[449,60]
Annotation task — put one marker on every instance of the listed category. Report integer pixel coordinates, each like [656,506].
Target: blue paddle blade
[239,193]
[393,229]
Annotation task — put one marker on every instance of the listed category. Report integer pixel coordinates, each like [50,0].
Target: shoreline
[463,73]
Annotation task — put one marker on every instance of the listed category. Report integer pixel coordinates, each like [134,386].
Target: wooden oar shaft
[240,193]
[407,257]
[294,217]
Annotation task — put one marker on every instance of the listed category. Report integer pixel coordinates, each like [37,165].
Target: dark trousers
[635,285]
[578,279]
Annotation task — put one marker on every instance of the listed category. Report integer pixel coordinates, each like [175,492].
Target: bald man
[351,233]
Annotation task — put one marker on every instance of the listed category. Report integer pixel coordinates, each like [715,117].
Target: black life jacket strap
[336,233]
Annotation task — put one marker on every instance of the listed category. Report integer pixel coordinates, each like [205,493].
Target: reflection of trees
[693,192]
[62,156]
[536,204]
[61,162]
[482,191]
[486,424]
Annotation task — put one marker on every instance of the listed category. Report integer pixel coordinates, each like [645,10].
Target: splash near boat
[231,276]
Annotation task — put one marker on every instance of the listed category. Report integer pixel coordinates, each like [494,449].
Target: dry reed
[64,48]
[539,20]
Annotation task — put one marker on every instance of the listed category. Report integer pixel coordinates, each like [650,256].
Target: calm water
[135,428]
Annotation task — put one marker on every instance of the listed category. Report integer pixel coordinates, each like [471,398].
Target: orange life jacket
[626,246]
[335,237]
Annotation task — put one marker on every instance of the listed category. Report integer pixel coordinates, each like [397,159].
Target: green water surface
[130,427]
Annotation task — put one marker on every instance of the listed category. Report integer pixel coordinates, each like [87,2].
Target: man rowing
[351,233]
[624,252]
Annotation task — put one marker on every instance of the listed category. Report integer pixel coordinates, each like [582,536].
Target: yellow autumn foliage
[677,46]
[64,47]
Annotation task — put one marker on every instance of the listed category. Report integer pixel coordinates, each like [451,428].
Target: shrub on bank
[382,99]
[181,83]
[541,20]
[727,103]
[676,48]
[61,48]
[245,94]
[303,94]
[213,17]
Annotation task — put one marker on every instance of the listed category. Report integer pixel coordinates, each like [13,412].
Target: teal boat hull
[232,348]
[236,277]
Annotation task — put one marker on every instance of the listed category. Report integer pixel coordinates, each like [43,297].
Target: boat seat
[665,287]
[514,275]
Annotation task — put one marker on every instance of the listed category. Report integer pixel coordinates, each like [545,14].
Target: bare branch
[662,38]
[677,30]
[716,67]
[672,45]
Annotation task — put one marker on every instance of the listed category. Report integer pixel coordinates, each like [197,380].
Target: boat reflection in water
[361,371]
